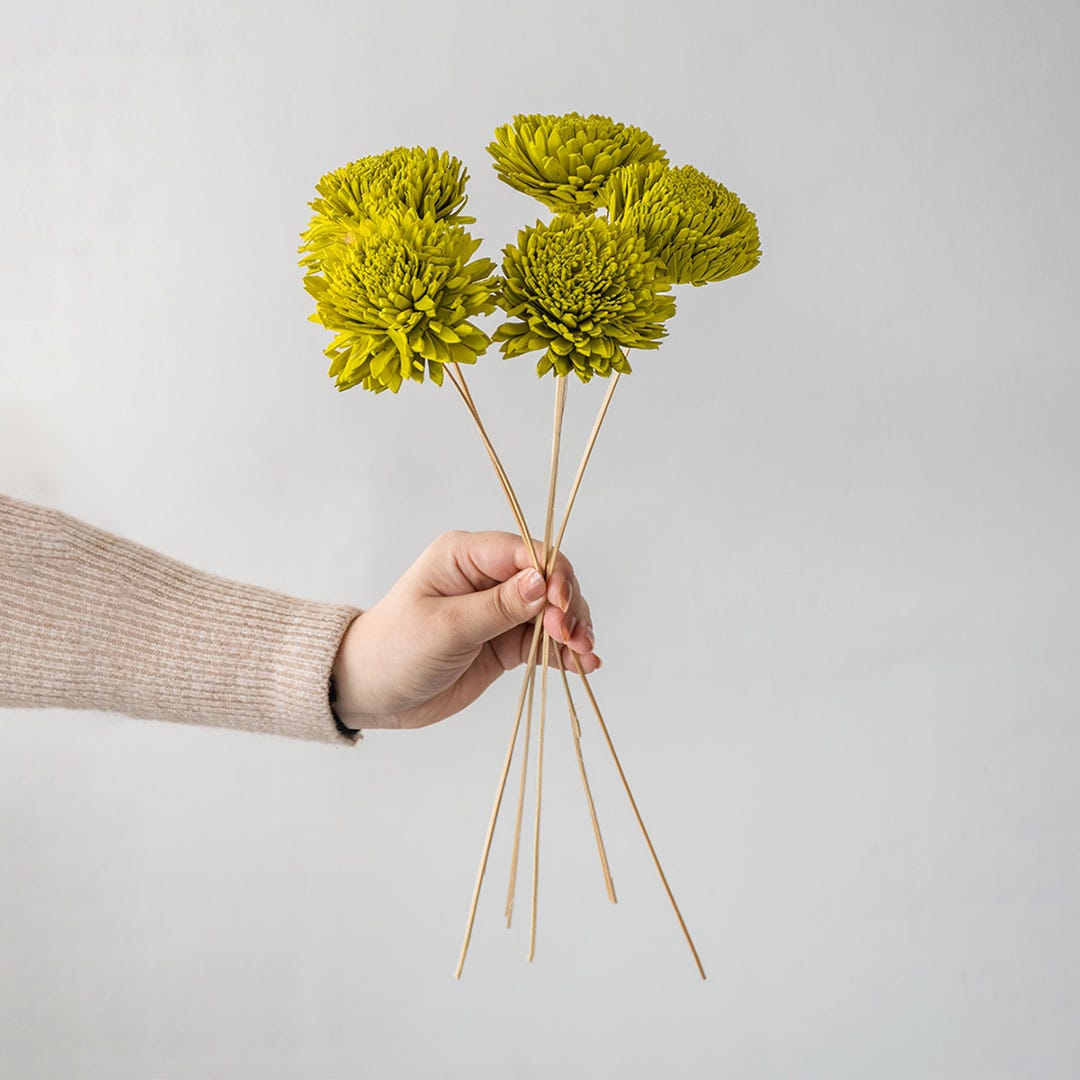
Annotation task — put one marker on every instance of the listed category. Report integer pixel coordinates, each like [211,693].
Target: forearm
[90,620]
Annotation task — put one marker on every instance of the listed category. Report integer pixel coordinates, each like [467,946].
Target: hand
[459,617]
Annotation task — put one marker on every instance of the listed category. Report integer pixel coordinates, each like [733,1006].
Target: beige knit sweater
[89,620]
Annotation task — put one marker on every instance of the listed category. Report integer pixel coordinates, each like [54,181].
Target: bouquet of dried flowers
[392,270]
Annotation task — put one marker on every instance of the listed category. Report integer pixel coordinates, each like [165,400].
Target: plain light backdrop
[829,534]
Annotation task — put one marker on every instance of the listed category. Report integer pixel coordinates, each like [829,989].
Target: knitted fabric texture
[90,620]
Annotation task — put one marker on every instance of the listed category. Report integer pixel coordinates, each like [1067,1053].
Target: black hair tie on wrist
[352,733]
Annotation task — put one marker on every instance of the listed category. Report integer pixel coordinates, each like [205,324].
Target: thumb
[483,615]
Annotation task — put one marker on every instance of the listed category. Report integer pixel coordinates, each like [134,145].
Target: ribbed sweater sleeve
[89,620]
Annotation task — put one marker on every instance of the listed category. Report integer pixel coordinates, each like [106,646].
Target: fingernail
[568,627]
[532,586]
[564,600]
[590,637]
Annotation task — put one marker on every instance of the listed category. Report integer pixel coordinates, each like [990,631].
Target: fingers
[569,618]
[512,650]
[471,620]
[469,561]
[486,585]
[492,554]
[588,660]
[458,562]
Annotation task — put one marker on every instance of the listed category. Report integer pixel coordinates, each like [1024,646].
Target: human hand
[459,617]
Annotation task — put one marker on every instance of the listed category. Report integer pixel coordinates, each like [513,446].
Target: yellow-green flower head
[698,229]
[564,160]
[399,297]
[426,181]
[582,290]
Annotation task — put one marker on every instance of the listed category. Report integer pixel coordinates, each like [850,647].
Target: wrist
[339,688]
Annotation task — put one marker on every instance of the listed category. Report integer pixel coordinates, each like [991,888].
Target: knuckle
[563,563]
[502,604]
[448,541]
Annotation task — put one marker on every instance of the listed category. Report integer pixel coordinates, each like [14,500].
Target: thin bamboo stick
[549,518]
[462,388]
[556,442]
[515,505]
[637,813]
[520,805]
[575,727]
[539,788]
[495,810]
[552,555]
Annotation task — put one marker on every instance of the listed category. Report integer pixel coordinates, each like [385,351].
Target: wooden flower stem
[462,388]
[556,442]
[549,519]
[575,727]
[547,561]
[539,788]
[495,812]
[637,813]
[520,806]
[550,554]
[553,554]
[519,516]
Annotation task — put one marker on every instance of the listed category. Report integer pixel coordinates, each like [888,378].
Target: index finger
[481,560]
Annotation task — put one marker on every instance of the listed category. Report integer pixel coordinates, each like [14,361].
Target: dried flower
[426,181]
[583,290]
[399,296]
[564,160]
[698,229]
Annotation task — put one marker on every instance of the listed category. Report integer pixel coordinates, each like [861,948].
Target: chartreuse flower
[564,160]
[582,290]
[399,297]
[698,229]
[426,181]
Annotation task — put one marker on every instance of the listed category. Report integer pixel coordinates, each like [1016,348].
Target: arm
[89,620]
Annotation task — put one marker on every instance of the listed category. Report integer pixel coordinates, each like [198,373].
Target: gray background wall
[829,537]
